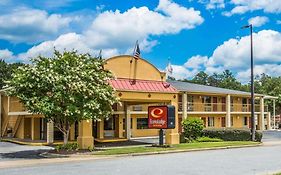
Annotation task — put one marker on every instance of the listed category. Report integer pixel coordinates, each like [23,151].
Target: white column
[268,121]
[127,121]
[262,113]
[274,117]
[228,111]
[184,105]
[50,132]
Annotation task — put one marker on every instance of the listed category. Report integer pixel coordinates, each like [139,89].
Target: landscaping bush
[192,129]
[208,139]
[67,147]
[182,138]
[231,134]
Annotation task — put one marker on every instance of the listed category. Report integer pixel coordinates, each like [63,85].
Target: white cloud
[69,41]
[31,25]
[236,10]
[243,6]
[212,4]
[278,22]
[116,32]
[123,29]
[269,69]
[190,68]
[196,62]
[181,72]
[6,55]
[234,55]
[258,21]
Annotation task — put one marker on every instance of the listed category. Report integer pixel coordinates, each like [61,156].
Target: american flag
[169,68]
[137,52]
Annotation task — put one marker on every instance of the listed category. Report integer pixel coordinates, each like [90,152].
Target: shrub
[67,147]
[192,129]
[231,134]
[208,139]
[182,138]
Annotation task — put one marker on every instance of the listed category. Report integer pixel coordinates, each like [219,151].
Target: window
[109,124]
[245,121]
[189,103]
[142,123]
[223,122]
[207,100]
[137,108]
[244,101]
[231,121]
[211,121]
[180,98]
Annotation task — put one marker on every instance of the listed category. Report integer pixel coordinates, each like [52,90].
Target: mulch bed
[119,144]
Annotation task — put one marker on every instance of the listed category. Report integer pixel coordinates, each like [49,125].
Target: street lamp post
[253,126]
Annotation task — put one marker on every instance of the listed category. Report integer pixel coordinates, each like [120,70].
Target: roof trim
[230,91]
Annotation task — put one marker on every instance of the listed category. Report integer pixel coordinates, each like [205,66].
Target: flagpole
[134,52]
[100,54]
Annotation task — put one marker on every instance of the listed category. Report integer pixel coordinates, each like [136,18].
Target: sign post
[161,137]
[161,117]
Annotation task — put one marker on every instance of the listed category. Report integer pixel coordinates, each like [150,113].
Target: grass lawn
[183,146]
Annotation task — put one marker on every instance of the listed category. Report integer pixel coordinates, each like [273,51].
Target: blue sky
[194,35]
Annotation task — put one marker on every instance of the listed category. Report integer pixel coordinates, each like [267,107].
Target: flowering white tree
[67,88]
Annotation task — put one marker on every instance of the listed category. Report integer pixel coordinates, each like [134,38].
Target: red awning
[142,85]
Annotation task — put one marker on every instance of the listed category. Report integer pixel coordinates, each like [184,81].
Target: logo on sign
[156,113]
[157,117]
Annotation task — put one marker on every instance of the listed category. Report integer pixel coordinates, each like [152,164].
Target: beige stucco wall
[122,67]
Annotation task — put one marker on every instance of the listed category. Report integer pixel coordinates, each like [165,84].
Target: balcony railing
[219,107]
[206,107]
[246,108]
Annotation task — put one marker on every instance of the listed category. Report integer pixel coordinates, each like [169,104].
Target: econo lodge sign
[157,117]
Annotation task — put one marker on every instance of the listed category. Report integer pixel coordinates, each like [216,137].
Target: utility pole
[253,121]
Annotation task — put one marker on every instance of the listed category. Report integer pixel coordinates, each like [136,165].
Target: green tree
[200,78]
[6,71]
[265,84]
[227,80]
[67,88]
[171,78]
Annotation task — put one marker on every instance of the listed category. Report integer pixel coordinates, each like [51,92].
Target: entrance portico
[138,84]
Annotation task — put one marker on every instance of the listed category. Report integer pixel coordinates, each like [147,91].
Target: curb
[32,144]
[181,151]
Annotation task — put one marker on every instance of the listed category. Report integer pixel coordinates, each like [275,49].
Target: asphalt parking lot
[11,151]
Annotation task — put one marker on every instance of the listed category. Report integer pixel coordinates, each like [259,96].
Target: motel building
[140,84]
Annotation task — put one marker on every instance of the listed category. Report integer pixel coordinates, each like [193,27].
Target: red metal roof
[142,85]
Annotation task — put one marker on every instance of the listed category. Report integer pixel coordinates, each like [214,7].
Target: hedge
[231,134]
